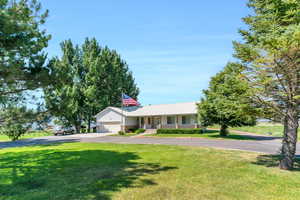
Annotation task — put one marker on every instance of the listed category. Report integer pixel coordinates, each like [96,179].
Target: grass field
[150,172]
[276,130]
[27,135]
[264,129]
[210,134]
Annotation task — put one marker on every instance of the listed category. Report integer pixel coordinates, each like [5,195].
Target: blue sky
[172,47]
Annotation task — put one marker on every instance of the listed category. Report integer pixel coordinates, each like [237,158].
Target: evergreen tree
[87,79]
[64,97]
[271,54]
[226,102]
[21,47]
[15,120]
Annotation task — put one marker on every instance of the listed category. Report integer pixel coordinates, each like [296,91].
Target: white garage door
[110,128]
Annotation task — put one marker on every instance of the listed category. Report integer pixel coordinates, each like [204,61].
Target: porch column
[145,122]
[176,121]
[140,122]
[160,122]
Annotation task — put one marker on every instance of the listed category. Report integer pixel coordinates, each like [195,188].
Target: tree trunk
[223,130]
[289,141]
[89,125]
[77,128]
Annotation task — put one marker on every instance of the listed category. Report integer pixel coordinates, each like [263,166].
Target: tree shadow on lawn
[69,174]
[273,161]
[34,142]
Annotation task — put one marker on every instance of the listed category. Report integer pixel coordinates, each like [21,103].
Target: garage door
[109,127]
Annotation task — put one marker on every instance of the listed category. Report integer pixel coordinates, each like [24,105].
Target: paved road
[265,144]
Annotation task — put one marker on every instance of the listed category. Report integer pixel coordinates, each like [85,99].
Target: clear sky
[172,47]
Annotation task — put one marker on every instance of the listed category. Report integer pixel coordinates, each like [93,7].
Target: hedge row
[140,130]
[179,131]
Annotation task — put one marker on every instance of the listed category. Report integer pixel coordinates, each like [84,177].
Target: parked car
[64,131]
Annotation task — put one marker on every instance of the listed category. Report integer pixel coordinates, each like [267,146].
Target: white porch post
[160,122]
[176,121]
[140,122]
[145,122]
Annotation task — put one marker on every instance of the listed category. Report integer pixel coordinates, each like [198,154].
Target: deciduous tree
[87,79]
[226,102]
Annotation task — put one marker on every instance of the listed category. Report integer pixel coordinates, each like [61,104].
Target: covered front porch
[168,121]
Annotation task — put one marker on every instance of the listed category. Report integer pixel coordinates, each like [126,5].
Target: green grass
[210,134]
[115,171]
[27,135]
[276,130]
[126,134]
[263,129]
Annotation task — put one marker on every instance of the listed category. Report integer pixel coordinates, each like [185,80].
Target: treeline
[75,86]
[265,80]
[85,80]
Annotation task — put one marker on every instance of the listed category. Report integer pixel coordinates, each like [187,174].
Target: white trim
[110,108]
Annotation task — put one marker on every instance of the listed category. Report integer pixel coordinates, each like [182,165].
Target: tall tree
[87,79]
[21,47]
[271,53]
[226,102]
[64,97]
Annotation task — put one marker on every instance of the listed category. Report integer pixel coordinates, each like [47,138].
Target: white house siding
[178,123]
[131,121]
[109,116]
[107,127]
[108,121]
[164,120]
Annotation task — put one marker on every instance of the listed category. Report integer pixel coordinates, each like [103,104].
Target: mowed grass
[210,134]
[262,128]
[149,172]
[276,130]
[126,134]
[27,135]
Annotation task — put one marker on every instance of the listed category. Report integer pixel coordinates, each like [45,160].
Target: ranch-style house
[179,115]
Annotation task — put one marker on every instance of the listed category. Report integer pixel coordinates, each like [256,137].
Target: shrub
[121,133]
[140,130]
[15,121]
[13,131]
[179,131]
[131,130]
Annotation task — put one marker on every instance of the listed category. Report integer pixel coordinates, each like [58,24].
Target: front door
[156,122]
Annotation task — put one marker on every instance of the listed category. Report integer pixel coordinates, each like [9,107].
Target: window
[142,120]
[186,120]
[171,120]
[149,120]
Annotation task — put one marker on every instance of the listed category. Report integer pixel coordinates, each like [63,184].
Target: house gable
[109,115]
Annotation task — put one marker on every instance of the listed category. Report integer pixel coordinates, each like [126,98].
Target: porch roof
[157,110]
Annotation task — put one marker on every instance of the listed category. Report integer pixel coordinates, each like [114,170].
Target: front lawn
[274,130]
[210,134]
[90,171]
[126,134]
[27,135]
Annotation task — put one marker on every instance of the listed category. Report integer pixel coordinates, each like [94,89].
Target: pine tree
[271,54]
[21,47]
